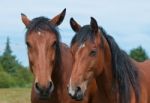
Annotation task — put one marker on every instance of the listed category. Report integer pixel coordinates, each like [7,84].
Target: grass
[15,95]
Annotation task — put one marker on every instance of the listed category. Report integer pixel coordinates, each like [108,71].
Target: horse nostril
[78,89]
[78,94]
[50,84]
[38,88]
[50,87]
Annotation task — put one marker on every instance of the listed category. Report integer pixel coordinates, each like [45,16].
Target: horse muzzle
[76,93]
[42,91]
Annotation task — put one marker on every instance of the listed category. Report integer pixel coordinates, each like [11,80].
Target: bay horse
[50,61]
[119,78]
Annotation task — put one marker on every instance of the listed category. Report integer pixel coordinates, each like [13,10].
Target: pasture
[15,95]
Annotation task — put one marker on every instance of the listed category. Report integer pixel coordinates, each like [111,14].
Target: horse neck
[57,73]
[104,80]
[56,77]
[62,74]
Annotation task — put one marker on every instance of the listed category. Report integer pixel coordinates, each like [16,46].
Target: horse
[50,61]
[119,78]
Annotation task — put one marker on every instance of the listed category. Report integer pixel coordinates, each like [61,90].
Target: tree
[12,73]
[138,54]
[6,80]
[8,61]
[8,50]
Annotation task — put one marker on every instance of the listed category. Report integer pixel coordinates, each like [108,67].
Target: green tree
[8,50]
[138,54]
[8,60]
[24,77]
[13,73]
[6,80]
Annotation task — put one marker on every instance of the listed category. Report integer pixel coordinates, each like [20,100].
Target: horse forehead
[39,33]
[46,34]
[82,46]
[41,37]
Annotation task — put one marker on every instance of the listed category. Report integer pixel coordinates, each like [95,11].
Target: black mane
[43,24]
[125,74]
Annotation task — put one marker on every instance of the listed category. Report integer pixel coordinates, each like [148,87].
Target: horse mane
[125,74]
[43,24]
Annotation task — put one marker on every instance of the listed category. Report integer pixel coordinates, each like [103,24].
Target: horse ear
[74,25]
[25,19]
[94,25]
[57,20]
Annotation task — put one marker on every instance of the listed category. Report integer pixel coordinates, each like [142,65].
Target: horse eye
[93,53]
[54,45]
[28,45]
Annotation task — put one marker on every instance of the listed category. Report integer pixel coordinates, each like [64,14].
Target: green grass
[15,95]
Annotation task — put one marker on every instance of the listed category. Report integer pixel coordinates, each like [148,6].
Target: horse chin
[44,97]
[79,98]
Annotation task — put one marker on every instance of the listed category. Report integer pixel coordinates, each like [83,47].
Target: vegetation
[13,73]
[15,95]
[138,54]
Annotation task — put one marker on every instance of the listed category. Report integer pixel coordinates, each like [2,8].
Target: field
[15,95]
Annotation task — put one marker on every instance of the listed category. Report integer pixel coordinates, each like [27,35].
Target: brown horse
[119,78]
[50,61]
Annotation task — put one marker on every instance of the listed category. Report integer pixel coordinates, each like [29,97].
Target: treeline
[12,72]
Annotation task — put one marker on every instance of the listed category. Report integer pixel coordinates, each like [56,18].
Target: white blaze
[82,45]
[39,33]
[71,89]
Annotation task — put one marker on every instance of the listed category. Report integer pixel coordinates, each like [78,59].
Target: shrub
[6,80]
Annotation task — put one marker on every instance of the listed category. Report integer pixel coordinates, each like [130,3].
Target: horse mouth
[77,98]
[44,97]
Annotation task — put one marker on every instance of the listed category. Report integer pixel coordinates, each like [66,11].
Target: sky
[128,21]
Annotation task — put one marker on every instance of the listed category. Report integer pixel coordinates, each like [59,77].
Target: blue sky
[128,21]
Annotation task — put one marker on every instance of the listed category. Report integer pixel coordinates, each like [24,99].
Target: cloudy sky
[128,21]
